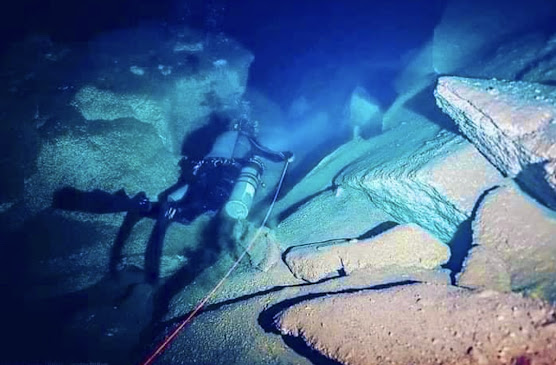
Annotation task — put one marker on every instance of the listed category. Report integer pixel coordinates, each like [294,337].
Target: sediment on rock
[511,123]
[332,214]
[516,245]
[425,324]
[433,182]
[402,248]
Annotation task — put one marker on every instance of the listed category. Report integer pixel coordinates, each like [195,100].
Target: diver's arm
[265,152]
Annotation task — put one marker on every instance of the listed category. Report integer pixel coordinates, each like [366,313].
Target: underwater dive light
[242,195]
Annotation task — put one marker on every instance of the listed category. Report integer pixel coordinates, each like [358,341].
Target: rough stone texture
[177,95]
[425,324]
[516,240]
[333,214]
[325,175]
[405,247]
[460,39]
[108,156]
[511,123]
[264,250]
[69,251]
[321,177]
[484,268]
[97,104]
[433,181]
[238,328]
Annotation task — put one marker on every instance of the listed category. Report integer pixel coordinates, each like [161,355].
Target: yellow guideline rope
[164,344]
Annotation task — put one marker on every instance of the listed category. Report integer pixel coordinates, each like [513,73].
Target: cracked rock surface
[513,124]
[430,180]
[402,248]
[515,240]
[425,324]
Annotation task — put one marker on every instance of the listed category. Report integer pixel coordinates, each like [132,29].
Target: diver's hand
[288,156]
[170,213]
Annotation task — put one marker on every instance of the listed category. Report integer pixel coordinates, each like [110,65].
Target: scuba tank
[244,190]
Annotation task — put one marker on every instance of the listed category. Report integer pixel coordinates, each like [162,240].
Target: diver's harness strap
[215,162]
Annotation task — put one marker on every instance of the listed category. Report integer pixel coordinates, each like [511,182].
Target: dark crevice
[532,180]
[219,305]
[268,317]
[298,345]
[462,241]
[381,228]
[286,213]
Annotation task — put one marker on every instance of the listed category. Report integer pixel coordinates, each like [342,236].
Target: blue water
[299,63]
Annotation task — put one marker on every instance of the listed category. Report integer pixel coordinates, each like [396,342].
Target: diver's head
[247,126]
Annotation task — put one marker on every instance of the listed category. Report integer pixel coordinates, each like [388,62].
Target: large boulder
[431,180]
[425,324]
[241,305]
[511,123]
[191,77]
[332,214]
[406,248]
[515,240]
[105,155]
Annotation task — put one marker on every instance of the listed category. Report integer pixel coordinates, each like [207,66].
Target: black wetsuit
[209,181]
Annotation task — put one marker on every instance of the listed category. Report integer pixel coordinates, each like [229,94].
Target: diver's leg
[153,252]
[98,201]
[130,220]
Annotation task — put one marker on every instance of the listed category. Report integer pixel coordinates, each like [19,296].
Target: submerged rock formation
[340,213]
[402,248]
[432,181]
[511,123]
[120,128]
[124,155]
[515,245]
[194,79]
[425,324]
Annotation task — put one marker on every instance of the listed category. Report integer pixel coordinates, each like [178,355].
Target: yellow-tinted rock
[407,247]
[516,238]
[425,324]
[511,123]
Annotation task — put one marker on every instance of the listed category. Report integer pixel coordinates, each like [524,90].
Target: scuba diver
[227,177]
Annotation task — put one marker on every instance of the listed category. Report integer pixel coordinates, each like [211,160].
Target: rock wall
[403,248]
[461,39]
[115,120]
[109,156]
[425,324]
[433,181]
[333,214]
[511,123]
[195,77]
[514,245]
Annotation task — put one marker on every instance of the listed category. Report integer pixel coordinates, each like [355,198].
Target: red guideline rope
[164,344]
